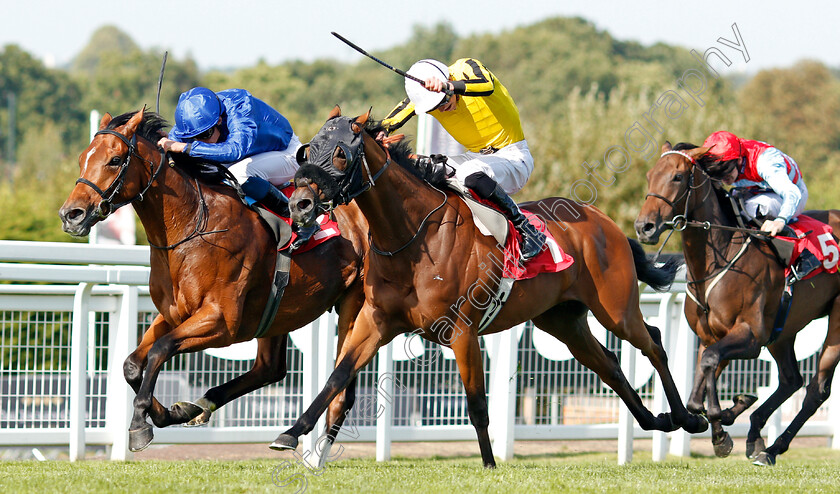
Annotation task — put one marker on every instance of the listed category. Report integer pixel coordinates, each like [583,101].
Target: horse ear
[666,147]
[134,122]
[362,119]
[336,112]
[698,152]
[106,119]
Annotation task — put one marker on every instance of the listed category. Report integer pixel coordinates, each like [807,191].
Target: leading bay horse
[212,263]
[738,283]
[430,268]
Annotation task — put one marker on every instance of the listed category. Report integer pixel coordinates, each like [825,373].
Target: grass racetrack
[799,470]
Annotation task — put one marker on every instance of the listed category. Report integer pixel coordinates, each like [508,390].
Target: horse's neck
[706,250]
[396,205]
[169,209]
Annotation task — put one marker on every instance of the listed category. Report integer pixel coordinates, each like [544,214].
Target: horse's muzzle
[303,210]
[77,221]
[647,231]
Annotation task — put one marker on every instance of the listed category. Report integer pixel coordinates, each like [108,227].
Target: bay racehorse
[429,269]
[736,285]
[212,264]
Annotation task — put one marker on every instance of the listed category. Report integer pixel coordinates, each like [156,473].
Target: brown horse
[212,264]
[735,315]
[430,268]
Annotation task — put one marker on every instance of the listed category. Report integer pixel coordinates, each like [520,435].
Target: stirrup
[304,234]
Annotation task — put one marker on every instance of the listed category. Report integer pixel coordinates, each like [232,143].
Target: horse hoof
[139,439]
[764,460]
[745,399]
[724,446]
[754,448]
[284,442]
[190,414]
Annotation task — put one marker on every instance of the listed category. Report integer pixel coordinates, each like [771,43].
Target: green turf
[799,470]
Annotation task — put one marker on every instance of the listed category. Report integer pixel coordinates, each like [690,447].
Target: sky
[229,34]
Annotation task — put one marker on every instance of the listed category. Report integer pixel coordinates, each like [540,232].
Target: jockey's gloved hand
[773,227]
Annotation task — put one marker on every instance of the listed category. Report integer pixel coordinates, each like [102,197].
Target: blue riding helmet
[198,110]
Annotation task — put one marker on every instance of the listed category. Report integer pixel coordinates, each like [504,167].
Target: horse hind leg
[817,393]
[573,330]
[631,326]
[269,367]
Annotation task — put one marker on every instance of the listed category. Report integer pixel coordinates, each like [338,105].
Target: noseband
[106,206]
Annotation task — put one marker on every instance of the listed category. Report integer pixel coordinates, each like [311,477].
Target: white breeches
[278,167]
[510,166]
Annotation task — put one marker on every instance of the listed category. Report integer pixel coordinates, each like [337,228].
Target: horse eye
[115,161]
[678,177]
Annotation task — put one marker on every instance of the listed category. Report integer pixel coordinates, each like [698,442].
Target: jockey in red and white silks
[779,191]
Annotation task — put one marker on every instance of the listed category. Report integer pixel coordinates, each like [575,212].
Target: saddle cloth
[492,223]
[816,237]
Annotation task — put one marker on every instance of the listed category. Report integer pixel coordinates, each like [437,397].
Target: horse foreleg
[790,380]
[818,392]
[269,367]
[136,362]
[348,310]
[359,349]
[471,368]
[738,343]
[698,390]
[201,330]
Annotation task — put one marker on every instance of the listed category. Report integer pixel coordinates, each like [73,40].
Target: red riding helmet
[724,145]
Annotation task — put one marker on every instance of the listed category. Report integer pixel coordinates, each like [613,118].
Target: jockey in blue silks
[252,139]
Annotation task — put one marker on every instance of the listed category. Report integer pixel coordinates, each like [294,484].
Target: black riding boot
[267,194]
[806,263]
[532,240]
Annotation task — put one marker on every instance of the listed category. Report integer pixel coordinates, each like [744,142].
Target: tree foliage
[580,93]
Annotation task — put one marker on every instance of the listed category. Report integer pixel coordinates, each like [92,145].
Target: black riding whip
[160,81]
[352,45]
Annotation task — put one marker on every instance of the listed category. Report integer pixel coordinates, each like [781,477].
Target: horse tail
[658,278]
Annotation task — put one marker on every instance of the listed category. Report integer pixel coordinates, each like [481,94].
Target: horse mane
[402,154]
[152,127]
[723,197]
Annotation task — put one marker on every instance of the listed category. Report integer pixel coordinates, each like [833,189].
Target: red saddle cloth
[329,228]
[817,237]
[552,259]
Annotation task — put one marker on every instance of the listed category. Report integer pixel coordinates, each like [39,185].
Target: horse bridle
[357,160]
[106,206]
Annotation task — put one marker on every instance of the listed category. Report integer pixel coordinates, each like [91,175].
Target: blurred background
[583,77]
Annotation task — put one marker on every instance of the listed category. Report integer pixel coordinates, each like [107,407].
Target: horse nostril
[648,228]
[73,215]
[304,205]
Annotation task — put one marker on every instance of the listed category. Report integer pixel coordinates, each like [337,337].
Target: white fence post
[310,386]
[502,402]
[834,411]
[122,338]
[660,402]
[385,402]
[625,418]
[682,362]
[78,370]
